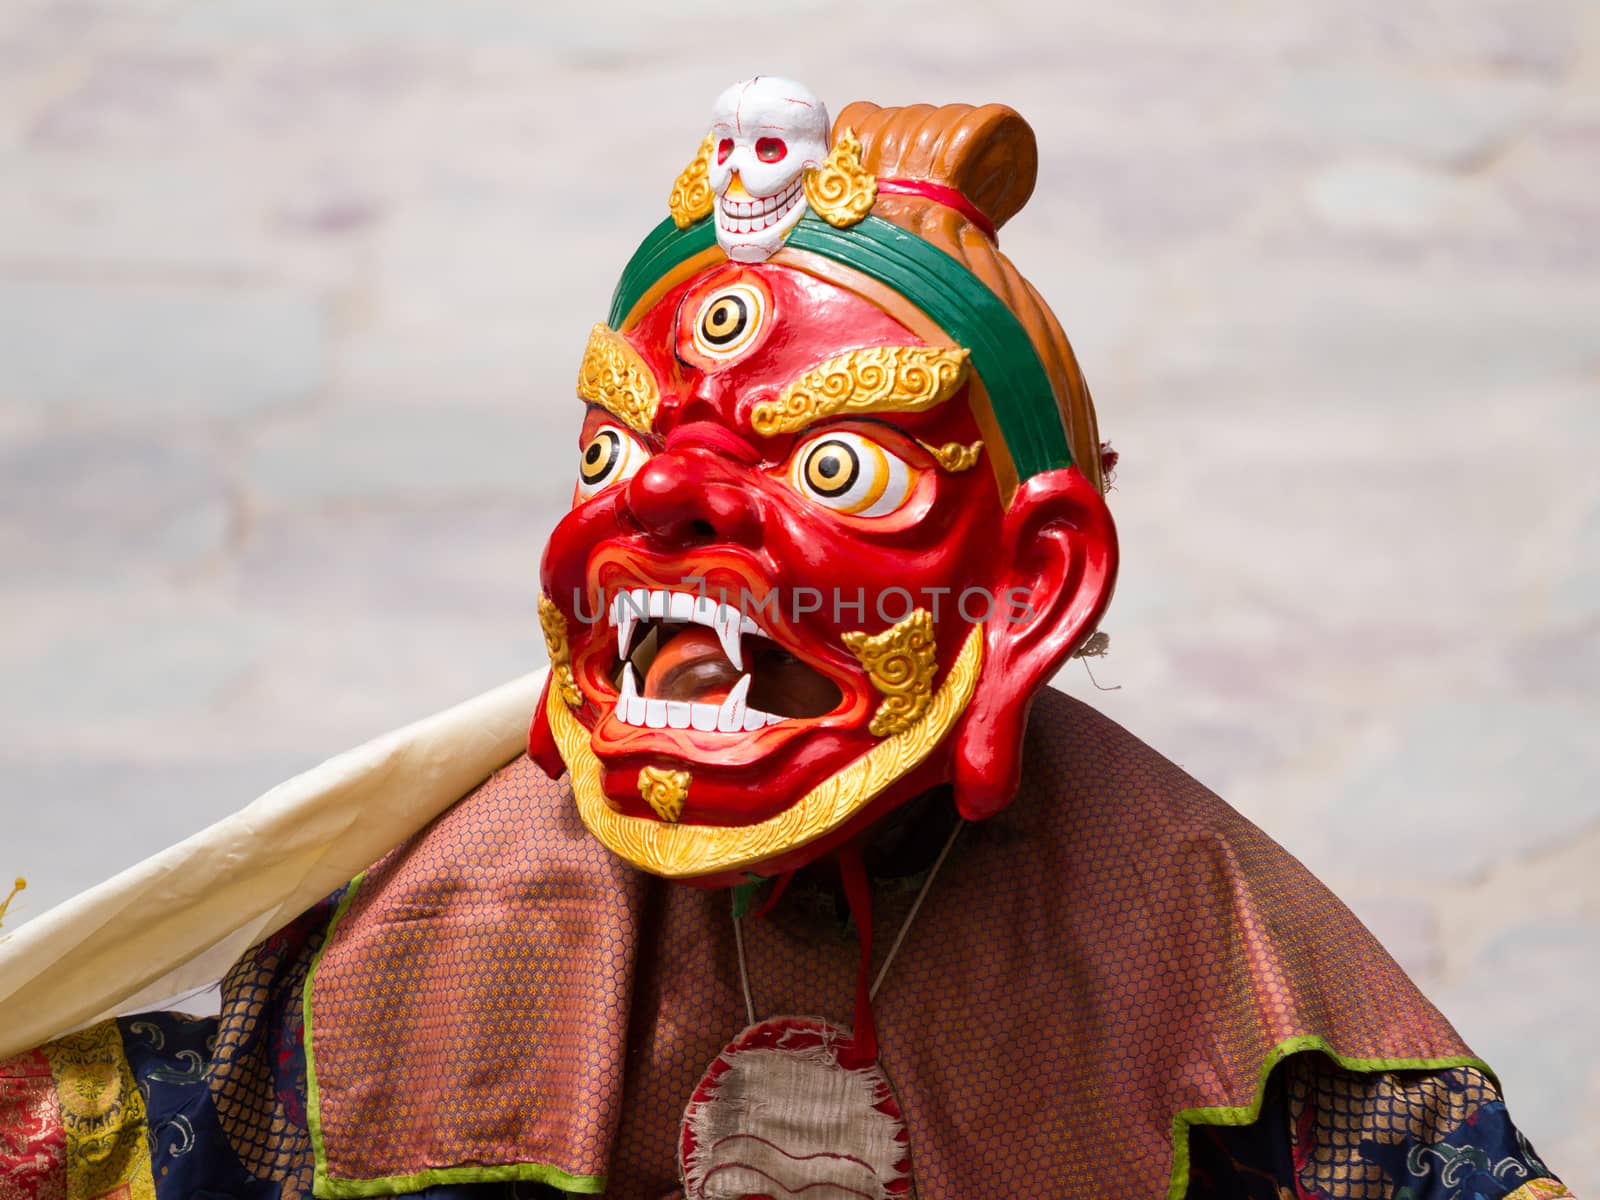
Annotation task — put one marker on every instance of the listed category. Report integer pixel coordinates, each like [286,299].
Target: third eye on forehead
[725,319]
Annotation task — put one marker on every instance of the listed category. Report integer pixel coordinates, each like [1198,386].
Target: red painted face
[806,536]
[709,575]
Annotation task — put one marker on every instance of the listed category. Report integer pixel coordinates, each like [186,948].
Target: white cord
[905,928]
[744,974]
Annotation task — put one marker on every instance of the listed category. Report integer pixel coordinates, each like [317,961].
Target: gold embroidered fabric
[103,1113]
[1540,1189]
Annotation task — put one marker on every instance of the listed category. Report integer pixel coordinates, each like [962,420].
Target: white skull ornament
[767,131]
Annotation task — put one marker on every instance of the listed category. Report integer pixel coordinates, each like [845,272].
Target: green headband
[954,298]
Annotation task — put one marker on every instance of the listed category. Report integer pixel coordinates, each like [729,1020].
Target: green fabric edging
[313,1097]
[349,1189]
[1247,1114]
[957,300]
[333,1189]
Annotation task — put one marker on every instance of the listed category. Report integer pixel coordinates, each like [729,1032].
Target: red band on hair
[939,194]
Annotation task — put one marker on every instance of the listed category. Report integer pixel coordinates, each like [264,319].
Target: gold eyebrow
[877,379]
[618,380]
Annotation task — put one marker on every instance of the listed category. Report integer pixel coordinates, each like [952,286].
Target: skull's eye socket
[770,149]
[724,148]
[728,320]
[851,474]
[610,456]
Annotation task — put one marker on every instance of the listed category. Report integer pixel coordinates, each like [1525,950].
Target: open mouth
[686,661]
[759,212]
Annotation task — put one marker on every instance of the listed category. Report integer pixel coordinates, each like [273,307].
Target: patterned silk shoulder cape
[1115,962]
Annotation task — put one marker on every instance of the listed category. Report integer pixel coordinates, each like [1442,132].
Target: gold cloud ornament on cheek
[901,662]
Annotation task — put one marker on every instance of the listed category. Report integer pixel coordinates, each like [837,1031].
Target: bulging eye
[728,320]
[610,456]
[724,148]
[851,474]
[770,149]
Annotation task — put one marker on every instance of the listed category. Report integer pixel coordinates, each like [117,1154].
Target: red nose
[693,495]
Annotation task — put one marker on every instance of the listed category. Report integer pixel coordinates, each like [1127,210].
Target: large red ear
[1059,565]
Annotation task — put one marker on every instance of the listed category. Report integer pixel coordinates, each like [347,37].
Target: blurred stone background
[292,295]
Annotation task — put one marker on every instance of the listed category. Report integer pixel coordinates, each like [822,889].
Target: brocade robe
[1117,987]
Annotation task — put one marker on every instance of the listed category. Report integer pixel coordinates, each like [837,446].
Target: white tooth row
[729,624]
[731,716]
[741,217]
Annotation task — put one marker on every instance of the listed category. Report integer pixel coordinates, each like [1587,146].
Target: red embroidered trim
[939,194]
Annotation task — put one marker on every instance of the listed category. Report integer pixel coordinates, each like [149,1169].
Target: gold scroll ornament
[664,791]
[555,641]
[691,197]
[901,662]
[617,379]
[875,379]
[841,191]
[680,851]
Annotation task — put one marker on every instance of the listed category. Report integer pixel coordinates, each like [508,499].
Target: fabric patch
[103,1113]
[190,1156]
[257,1073]
[1333,1134]
[1484,1157]
[1341,1112]
[33,1143]
[467,1015]
[777,1113]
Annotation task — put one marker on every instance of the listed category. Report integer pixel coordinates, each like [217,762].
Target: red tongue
[691,666]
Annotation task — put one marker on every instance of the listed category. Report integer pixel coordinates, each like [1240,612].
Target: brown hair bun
[989,155]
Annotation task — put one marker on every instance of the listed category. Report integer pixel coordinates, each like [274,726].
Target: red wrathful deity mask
[838,513]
